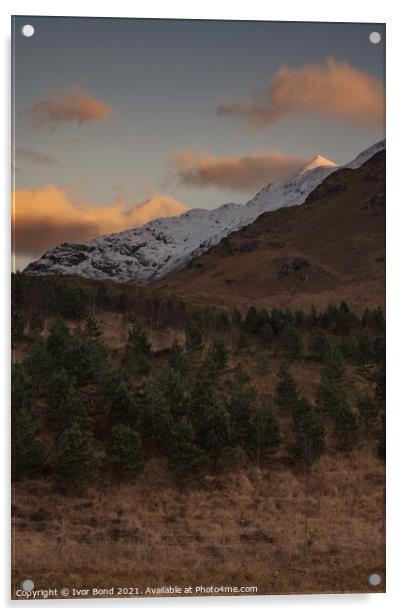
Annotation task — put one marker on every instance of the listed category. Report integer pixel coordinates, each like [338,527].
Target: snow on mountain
[148,253]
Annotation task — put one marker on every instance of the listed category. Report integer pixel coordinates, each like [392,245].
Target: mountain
[331,247]
[150,252]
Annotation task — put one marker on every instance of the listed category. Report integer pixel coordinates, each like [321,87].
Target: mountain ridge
[148,253]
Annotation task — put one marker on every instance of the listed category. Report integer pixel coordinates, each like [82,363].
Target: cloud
[45,217]
[334,89]
[251,171]
[34,156]
[73,105]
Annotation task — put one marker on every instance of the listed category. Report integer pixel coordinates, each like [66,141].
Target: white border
[287,10]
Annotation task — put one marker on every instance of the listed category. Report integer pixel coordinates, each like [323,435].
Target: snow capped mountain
[148,253]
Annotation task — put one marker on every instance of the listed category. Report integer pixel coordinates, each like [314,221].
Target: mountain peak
[318,161]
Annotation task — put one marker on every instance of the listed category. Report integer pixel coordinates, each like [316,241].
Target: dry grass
[282,532]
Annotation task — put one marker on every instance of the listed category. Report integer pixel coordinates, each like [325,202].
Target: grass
[285,533]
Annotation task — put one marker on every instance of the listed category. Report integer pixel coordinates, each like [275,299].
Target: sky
[118,121]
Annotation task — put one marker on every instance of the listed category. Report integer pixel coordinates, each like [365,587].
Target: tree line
[81,411]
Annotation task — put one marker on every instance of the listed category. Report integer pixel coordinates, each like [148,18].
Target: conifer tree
[292,342]
[286,390]
[264,438]
[187,461]
[194,337]
[347,426]
[74,461]
[309,441]
[136,360]
[27,453]
[241,406]
[124,453]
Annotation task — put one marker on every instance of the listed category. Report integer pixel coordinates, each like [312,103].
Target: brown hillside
[332,246]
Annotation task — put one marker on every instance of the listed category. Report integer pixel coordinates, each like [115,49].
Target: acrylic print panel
[197,311]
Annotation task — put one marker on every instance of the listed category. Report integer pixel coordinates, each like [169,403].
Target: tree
[74,462]
[124,453]
[331,392]
[252,321]
[347,426]
[123,406]
[65,404]
[264,438]
[187,461]
[365,348]
[213,433]
[242,343]
[27,452]
[91,329]
[194,338]
[286,389]
[157,422]
[57,344]
[319,344]
[216,360]
[36,325]
[136,359]
[293,343]
[241,406]
[177,359]
[309,440]
[39,365]
[17,326]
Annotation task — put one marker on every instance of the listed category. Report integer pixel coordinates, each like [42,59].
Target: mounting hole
[374,579]
[27,585]
[375,38]
[28,30]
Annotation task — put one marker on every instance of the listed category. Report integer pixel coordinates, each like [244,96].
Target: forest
[83,413]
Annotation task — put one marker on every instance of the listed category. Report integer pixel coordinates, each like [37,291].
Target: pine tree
[320,344]
[177,359]
[74,462]
[347,426]
[157,422]
[57,344]
[35,325]
[293,343]
[252,321]
[136,359]
[286,389]
[241,406]
[213,432]
[123,406]
[264,438]
[91,328]
[216,359]
[309,442]
[124,453]
[65,404]
[27,453]
[17,326]
[194,338]
[187,461]
[242,343]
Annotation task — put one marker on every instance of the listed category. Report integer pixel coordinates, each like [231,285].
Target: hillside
[148,253]
[332,246]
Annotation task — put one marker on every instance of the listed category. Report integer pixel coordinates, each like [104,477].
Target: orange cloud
[73,105]
[45,217]
[235,172]
[334,89]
